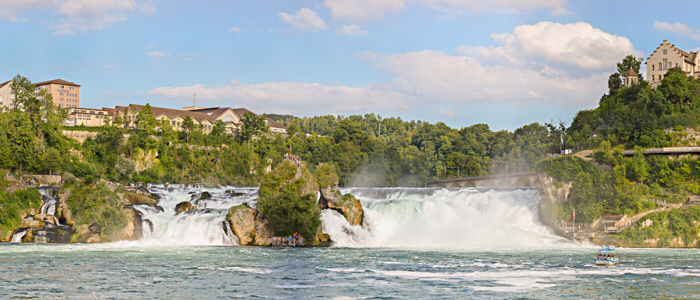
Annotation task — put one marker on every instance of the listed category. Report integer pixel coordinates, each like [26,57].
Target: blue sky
[506,63]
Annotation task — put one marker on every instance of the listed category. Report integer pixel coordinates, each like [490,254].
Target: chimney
[665,41]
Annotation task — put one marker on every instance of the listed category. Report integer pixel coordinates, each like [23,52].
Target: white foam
[446,219]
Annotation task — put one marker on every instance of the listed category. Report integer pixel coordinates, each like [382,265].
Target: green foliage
[14,205]
[325,175]
[98,205]
[289,205]
[678,223]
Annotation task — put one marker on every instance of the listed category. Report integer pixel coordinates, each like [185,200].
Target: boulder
[132,230]
[63,214]
[136,199]
[263,235]
[242,221]
[347,204]
[46,218]
[200,196]
[31,222]
[322,239]
[232,193]
[184,207]
[89,234]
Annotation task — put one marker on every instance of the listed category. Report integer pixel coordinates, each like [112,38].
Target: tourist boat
[607,256]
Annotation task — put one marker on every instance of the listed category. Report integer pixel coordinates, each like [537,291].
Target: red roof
[57,81]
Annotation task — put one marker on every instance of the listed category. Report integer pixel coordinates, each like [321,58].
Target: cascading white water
[206,225]
[50,202]
[443,218]
[18,235]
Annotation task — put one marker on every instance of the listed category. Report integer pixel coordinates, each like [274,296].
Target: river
[416,244]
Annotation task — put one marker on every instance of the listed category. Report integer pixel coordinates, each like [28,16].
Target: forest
[372,151]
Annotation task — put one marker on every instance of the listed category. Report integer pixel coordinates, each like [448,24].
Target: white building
[667,56]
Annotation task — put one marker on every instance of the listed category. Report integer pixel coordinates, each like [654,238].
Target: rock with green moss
[349,206]
[242,220]
[287,200]
[184,207]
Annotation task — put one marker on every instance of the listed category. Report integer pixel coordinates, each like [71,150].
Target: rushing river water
[414,244]
[132,270]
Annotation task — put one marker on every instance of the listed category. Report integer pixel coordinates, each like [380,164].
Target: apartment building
[65,94]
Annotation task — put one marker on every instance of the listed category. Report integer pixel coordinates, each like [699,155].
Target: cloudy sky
[505,63]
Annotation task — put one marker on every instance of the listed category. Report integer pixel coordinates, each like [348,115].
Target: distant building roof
[613,218]
[631,73]
[57,81]
[5,83]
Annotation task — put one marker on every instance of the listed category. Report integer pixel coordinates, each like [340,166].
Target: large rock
[322,239]
[63,214]
[89,234]
[242,220]
[347,204]
[46,218]
[263,235]
[184,207]
[136,199]
[133,229]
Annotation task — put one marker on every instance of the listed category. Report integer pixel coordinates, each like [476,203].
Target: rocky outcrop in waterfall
[331,198]
[184,207]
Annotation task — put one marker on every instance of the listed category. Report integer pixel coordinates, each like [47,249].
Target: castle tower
[631,78]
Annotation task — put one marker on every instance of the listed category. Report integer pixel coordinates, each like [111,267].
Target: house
[91,117]
[7,95]
[693,200]
[667,56]
[65,94]
[205,118]
[614,223]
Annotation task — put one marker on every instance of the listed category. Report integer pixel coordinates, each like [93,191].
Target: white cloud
[519,71]
[351,30]
[447,113]
[364,11]
[305,19]
[678,28]
[574,46]
[290,97]
[71,16]
[234,30]
[157,54]
[110,66]
[12,9]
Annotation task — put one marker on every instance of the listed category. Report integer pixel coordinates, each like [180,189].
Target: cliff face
[551,193]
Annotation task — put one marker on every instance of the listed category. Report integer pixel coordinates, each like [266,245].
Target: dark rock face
[233,194]
[347,204]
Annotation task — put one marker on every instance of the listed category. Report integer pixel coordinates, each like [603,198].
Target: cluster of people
[25,181]
[292,240]
[294,158]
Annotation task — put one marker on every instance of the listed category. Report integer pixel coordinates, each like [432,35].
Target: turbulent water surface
[415,243]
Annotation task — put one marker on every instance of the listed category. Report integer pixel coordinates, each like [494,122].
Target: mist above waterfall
[472,218]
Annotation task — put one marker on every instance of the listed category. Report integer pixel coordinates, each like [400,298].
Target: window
[676,64]
[665,51]
[665,64]
[174,123]
[652,67]
[652,78]
[660,67]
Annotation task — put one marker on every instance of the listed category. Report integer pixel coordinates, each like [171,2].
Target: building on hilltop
[631,78]
[7,95]
[201,117]
[667,56]
[90,117]
[65,94]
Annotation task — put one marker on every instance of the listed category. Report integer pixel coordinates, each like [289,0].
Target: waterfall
[443,218]
[50,202]
[19,234]
[206,225]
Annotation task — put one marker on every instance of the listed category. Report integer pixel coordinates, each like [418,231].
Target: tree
[630,62]
[145,120]
[188,126]
[253,125]
[125,167]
